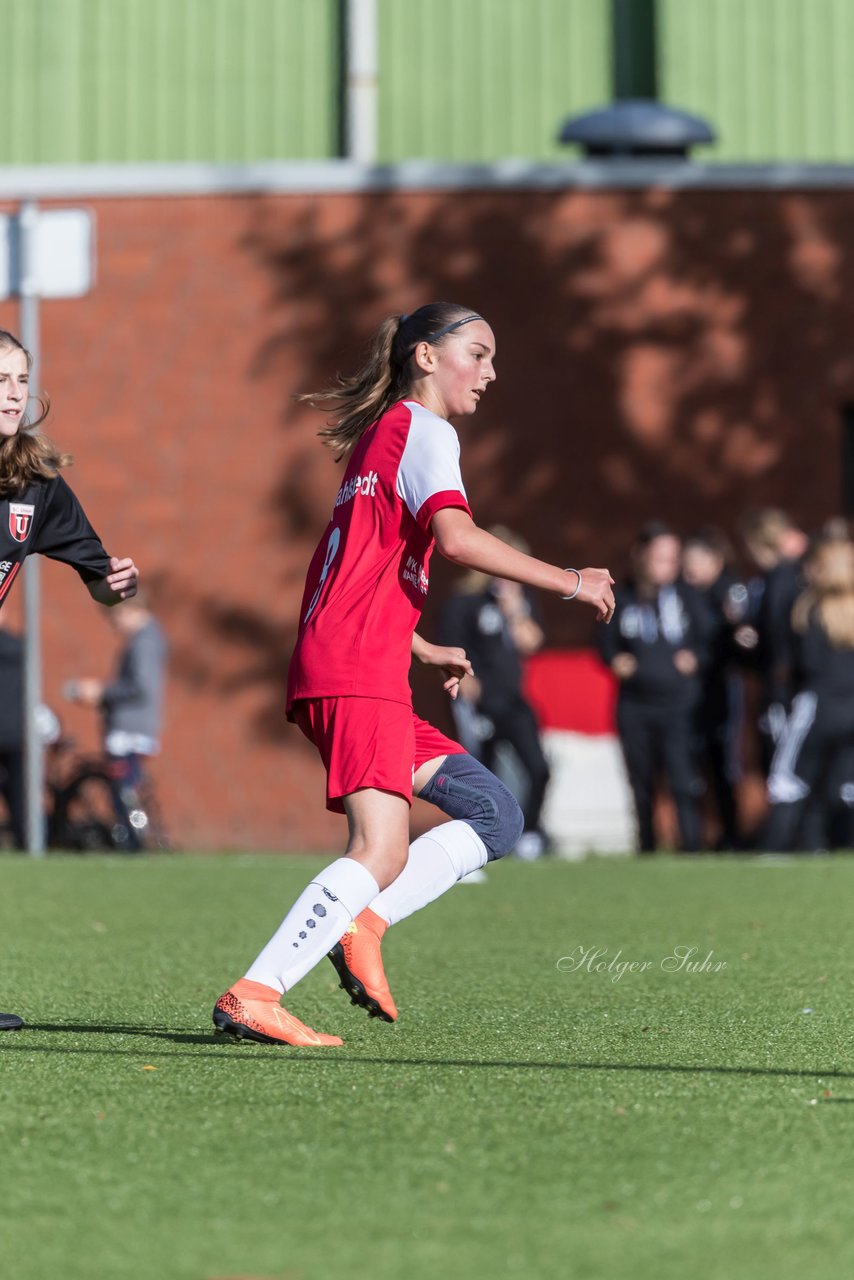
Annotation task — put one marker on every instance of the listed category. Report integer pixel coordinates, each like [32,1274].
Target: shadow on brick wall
[660,354]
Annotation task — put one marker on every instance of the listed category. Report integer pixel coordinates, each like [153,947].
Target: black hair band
[449,328]
[440,333]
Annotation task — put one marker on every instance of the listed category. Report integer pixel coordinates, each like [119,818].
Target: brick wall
[673,354]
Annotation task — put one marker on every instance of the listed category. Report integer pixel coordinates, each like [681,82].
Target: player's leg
[677,738]
[520,729]
[638,747]
[376,851]
[361,742]
[487,823]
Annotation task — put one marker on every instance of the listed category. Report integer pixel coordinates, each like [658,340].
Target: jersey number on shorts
[331,552]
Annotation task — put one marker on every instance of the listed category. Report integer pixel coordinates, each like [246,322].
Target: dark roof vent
[636,128]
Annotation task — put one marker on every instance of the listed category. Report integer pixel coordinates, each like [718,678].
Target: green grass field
[526,1117]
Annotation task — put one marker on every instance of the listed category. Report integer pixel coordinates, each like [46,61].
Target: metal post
[34,757]
[362,81]
[635,49]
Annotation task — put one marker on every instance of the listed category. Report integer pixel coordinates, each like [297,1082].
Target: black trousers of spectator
[720,722]
[718,757]
[516,724]
[661,739]
[812,773]
[12,790]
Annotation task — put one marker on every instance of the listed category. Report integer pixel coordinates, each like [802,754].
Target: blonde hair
[27,455]
[764,528]
[829,597]
[359,400]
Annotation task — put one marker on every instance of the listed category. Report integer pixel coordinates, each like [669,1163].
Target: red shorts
[369,742]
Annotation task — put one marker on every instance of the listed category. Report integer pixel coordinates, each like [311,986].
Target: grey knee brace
[463,788]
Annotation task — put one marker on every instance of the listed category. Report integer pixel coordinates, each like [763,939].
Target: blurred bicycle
[97,806]
[129,706]
[91,804]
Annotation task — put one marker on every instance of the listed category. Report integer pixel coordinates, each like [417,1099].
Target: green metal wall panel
[774,77]
[147,80]
[479,80]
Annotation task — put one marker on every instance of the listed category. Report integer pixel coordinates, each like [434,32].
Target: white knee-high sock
[437,860]
[314,923]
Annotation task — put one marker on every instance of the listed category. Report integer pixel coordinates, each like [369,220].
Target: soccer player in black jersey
[38,511]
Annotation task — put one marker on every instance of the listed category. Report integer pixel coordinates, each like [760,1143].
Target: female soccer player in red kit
[38,511]
[348,684]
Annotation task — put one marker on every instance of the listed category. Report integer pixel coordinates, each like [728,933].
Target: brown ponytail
[386,376]
[27,455]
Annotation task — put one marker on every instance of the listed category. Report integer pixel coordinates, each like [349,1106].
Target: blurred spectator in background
[132,703]
[656,646]
[12,731]
[777,546]
[812,773]
[495,622]
[706,560]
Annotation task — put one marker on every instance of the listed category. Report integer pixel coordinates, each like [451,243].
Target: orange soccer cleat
[251,1011]
[359,964]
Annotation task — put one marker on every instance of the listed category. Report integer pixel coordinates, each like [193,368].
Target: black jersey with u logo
[46,518]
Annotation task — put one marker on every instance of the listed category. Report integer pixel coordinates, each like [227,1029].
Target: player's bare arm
[452,661]
[461,541]
[119,584]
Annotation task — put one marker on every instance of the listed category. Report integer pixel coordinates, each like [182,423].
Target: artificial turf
[525,1117]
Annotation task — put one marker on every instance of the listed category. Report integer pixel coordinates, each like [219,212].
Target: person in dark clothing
[495,622]
[39,513]
[777,545]
[12,731]
[812,772]
[705,567]
[131,704]
[657,649]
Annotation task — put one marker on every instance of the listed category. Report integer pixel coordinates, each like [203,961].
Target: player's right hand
[122,578]
[597,589]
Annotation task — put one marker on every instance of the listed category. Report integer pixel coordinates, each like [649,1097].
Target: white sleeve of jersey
[430,462]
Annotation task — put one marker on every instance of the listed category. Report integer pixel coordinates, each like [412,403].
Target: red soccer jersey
[367,581]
